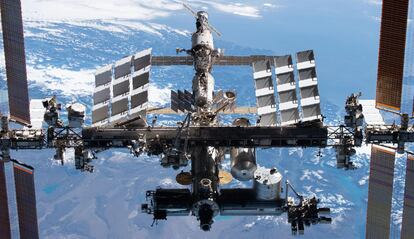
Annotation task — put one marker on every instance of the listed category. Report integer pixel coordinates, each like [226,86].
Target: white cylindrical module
[267,183]
[76,115]
[204,38]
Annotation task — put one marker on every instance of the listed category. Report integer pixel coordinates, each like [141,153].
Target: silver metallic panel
[140,80]
[310,91]
[100,114]
[311,111]
[265,82]
[282,61]
[121,88]
[119,106]
[286,78]
[139,99]
[265,100]
[263,65]
[101,96]
[287,96]
[304,56]
[290,115]
[309,73]
[268,119]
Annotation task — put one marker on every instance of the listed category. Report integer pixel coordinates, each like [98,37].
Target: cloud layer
[63,10]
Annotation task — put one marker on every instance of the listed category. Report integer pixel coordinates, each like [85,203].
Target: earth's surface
[66,42]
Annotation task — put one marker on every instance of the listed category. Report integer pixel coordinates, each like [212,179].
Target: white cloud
[374,2]
[90,10]
[69,82]
[235,8]
[63,10]
[269,5]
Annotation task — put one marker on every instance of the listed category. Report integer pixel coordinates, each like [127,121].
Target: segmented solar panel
[381,178]
[103,75]
[116,102]
[100,114]
[4,205]
[391,54]
[139,99]
[265,98]
[372,115]
[142,60]
[140,80]
[123,67]
[121,88]
[119,107]
[308,86]
[26,201]
[101,96]
[37,112]
[407,230]
[13,41]
[182,101]
[286,89]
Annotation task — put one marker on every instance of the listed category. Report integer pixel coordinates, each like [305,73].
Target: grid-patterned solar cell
[142,62]
[140,80]
[139,99]
[100,114]
[119,106]
[122,67]
[4,209]
[26,201]
[101,96]
[121,88]
[13,41]
[380,187]
[304,56]
[391,54]
[407,229]
[282,61]
[104,77]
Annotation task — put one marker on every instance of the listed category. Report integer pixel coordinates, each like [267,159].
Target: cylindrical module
[203,88]
[267,183]
[243,160]
[204,38]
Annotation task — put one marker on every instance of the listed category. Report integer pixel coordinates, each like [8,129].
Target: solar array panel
[372,115]
[182,101]
[13,41]
[391,54]
[5,231]
[407,229]
[37,112]
[103,75]
[286,89]
[121,90]
[26,200]
[381,178]
[265,92]
[308,86]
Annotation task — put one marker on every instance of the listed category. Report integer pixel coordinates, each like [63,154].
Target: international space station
[288,115]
